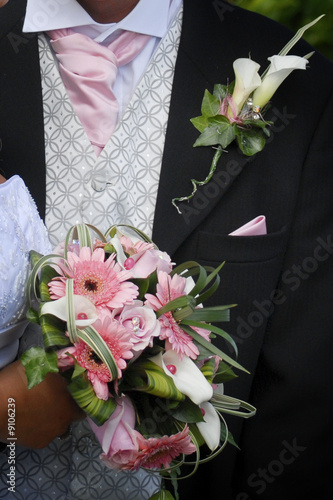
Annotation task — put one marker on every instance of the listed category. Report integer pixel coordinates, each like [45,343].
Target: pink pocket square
[255,227]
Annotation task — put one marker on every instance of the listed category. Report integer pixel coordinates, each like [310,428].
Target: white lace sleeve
[21,230]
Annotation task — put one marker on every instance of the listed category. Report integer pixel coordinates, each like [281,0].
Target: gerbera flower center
[95,359]
[157,455]
[91,285]
[87,358]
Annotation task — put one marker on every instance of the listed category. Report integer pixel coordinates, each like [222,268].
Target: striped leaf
[83,393]
[211,328]
[93,339]
[149,377]
[71,327]
[212,348]
[79,233]
[112,231]
[53,331]
[208,370]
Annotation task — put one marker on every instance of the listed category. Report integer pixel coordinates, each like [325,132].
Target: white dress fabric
[21,230]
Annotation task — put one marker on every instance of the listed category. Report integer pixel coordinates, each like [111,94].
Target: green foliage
[38,364]
[83,393]
[297,13]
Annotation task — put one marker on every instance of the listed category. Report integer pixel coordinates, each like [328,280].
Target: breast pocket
[249,279]
[214,247]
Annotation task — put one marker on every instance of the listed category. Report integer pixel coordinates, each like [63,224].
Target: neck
[108,11]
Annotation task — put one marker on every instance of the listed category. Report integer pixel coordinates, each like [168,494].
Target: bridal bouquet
[129,331]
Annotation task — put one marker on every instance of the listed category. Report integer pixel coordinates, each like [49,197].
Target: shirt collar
[149,17]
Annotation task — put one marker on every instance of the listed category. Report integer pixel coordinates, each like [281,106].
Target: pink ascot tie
[88,71]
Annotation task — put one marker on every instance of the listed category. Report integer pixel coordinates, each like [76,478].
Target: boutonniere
[236,112]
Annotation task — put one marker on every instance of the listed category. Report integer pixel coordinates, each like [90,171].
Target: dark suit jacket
[281,282]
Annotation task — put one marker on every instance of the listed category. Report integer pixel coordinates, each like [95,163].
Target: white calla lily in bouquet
[129,331]
[236,112]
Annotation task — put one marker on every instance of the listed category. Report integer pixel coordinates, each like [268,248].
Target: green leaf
[32,315]
[211,314]
[212,348]
[83,393]
[200,123]
[71,326]
[200,282]
[255,123]
[179,302]
[47,273]
[220,91]
[210,105]
[224,373]
[226,434]
[250,141]
[33,280]
[219,132]
[81,233]
[112,231]
[143,285]
[38,364]
[34,257]
[93,339]
[162,495]
[53,331]
[208,370]
[187,412]
[149,377]
[211,328]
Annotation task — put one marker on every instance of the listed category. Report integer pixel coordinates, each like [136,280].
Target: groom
[281,281]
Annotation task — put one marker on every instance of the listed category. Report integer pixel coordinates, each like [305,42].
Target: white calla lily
[187,377]
[82,305]
[121,256]
[210,429]
[247,80]
[280,68]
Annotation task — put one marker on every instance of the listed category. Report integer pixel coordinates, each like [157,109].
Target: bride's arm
[41,414]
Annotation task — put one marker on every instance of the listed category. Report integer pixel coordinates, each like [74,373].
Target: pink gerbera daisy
[117,338]
[102,281]
[159,452]
[169,289]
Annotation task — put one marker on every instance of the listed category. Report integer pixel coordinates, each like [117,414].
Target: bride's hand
[2,179]
[42,413]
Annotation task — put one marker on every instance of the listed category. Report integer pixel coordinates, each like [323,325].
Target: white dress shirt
[151,17]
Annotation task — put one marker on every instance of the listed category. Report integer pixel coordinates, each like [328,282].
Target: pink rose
[141,321]
[117,436]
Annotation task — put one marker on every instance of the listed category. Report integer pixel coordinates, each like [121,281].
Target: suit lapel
[21,127]
[194,73]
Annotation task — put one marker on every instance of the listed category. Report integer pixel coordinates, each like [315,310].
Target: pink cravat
[89,71]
